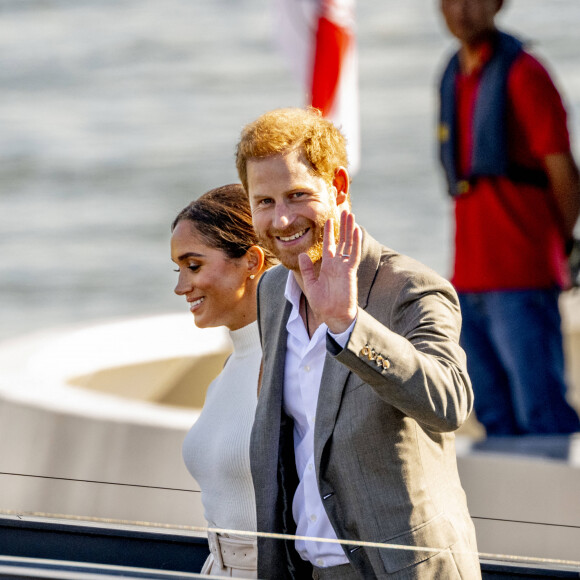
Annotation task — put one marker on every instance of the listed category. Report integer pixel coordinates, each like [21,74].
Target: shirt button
[313,518]
[307,368]
[320,562]
[310,467]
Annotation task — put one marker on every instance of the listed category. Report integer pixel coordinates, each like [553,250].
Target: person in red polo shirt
[505,150]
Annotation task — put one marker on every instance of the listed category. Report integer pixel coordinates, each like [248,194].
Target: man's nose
[282,216]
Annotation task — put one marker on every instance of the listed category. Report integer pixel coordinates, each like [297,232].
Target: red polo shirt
[506,233]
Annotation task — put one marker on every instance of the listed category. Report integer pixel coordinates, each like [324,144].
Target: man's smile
[293,236]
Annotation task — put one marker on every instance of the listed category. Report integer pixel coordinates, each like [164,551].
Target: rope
[162,488]
[99,482]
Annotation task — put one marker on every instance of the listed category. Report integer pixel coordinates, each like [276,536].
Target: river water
[114,114]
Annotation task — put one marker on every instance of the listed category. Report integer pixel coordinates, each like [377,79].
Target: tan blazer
[384,444]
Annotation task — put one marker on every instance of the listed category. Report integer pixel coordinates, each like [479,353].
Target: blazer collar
[368,267]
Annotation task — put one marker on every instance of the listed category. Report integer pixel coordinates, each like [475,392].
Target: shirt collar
[295,325]
[293,292]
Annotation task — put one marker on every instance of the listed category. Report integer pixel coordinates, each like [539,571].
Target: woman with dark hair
[219,264]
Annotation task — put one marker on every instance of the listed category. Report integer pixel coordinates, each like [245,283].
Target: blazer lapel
[274,312]
[368,268]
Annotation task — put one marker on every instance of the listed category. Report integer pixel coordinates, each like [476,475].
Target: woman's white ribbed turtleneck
[216,450]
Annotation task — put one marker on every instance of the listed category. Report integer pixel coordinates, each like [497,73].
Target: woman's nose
[182,287]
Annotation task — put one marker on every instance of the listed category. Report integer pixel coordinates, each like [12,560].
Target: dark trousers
[515,360]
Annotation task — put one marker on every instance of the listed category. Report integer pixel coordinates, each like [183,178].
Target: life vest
[489,148]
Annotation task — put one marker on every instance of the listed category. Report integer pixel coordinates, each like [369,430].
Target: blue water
[114,114]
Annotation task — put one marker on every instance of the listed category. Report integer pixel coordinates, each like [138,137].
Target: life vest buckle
[463,187]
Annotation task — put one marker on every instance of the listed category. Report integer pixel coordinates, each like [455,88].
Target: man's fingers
[347,228]
[329,243]
[349,239]
[306,269]
[356,250]
[343,245]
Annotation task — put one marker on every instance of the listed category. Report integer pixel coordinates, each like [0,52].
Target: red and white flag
[318,39]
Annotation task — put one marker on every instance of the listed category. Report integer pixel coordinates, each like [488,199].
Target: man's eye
[193,267]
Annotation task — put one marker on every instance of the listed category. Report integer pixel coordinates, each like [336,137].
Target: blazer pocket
[437,533]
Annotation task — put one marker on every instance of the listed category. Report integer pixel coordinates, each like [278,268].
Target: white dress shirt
[303,373]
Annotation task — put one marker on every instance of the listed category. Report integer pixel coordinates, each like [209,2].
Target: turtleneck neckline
[245,339]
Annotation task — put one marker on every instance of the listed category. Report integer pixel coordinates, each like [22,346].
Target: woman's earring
[252,276]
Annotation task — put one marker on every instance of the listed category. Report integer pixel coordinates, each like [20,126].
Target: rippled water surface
[116,113]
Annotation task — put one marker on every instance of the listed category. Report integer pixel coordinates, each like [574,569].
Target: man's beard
[290,259]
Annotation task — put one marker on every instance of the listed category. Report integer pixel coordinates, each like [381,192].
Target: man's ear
[341,182]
